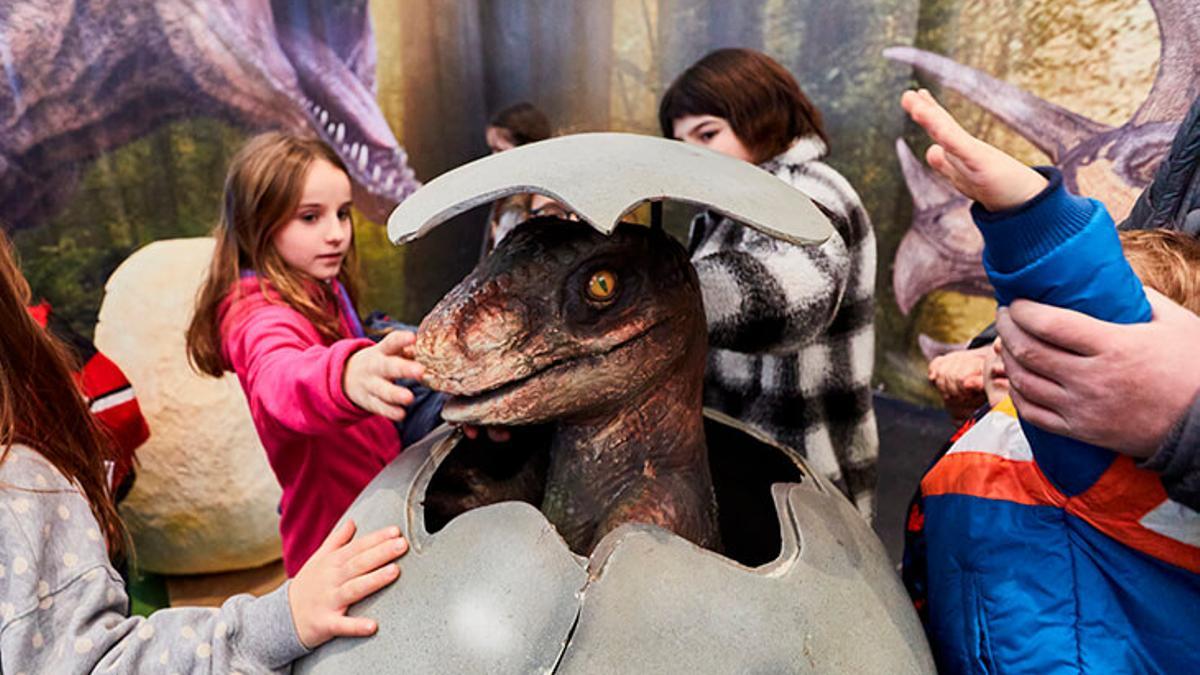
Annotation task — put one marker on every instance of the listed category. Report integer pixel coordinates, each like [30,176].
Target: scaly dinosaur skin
[86,77]
[520,342]
[1113,164]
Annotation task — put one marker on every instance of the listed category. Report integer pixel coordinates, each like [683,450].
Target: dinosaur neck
[646,461]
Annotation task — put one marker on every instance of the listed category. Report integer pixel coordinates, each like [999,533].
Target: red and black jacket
[109,396]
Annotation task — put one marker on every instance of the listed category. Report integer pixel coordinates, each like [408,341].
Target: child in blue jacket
[1042,553]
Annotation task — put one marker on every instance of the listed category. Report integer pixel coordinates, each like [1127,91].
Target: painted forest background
[443,67]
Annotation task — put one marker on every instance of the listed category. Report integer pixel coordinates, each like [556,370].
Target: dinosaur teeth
[340,132]
[390,182]
[324,116]
[375,174]
[329,128]
[362,158]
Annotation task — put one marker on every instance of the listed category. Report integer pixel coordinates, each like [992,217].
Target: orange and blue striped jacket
[1039,553]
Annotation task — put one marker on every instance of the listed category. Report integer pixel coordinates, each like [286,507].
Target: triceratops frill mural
[84,78]
[942,250]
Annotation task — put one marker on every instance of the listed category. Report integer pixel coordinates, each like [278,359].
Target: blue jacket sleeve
[1062,250]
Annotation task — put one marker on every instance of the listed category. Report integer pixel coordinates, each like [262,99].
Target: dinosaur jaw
[565,387]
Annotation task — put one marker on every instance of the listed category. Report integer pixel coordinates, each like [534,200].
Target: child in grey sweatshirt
[62,605]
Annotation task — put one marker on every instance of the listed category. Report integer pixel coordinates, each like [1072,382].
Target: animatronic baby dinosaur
[942,248]
[603,335]
[84,78]
[589,338]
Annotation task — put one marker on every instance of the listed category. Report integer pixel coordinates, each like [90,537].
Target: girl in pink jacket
[277,308]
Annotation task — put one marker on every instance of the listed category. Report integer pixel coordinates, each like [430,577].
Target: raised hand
[339,574]
[370,374]
[980,171]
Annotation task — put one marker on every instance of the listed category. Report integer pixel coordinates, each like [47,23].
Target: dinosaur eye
[602,287]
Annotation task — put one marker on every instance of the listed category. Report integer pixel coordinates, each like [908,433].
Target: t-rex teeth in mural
[85,78]
[942,250]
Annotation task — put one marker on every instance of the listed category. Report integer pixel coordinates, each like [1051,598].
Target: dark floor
[909,435]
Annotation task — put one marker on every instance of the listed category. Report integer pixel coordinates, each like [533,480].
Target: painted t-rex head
[85,78]
[1112,164]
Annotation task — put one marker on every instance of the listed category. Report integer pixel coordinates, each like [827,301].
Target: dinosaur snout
[463,341]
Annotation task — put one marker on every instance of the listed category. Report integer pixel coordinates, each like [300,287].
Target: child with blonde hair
[1034,552]
[278,309]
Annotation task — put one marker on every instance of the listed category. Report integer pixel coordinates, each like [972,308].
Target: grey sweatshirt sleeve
[62,605]
[1178,460]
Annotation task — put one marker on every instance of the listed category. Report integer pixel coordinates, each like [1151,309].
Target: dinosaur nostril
[493,326]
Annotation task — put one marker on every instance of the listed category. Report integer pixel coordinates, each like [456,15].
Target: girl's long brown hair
[262,191]
[42,407]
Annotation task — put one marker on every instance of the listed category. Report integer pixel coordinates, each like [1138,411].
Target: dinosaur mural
[83,78]
[942,249]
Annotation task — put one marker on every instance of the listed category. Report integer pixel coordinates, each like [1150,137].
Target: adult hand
[370,374]
[1121,387]
[339,574]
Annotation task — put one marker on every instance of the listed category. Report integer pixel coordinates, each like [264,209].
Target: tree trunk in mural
[464,61]
[443,120]
[557,56]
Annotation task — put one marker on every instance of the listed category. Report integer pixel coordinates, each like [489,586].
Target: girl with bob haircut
[278,309]
[791,327]
[63,607]
[759,98]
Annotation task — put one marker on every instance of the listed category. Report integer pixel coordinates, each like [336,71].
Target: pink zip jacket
[323,448]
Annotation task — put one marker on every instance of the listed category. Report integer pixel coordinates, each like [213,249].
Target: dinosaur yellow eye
[602,286]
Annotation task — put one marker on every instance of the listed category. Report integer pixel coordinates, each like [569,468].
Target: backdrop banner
[119,117]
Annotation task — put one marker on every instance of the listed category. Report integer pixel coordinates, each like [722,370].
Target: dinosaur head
[562,321]
[942,249]
[86,78]
[1111,163]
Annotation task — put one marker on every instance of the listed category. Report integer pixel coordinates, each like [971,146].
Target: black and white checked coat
[791,330]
